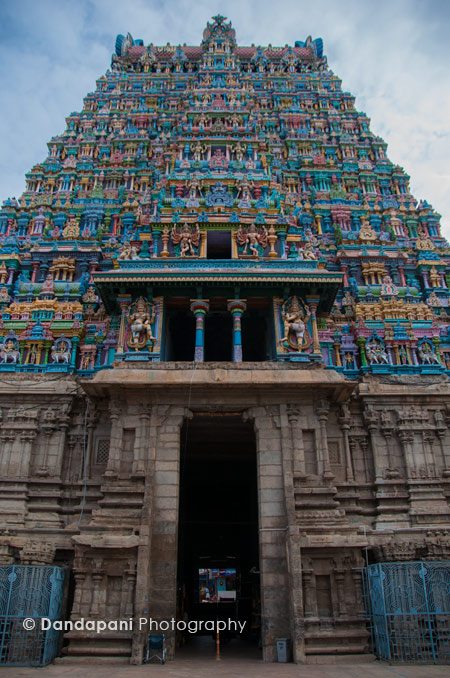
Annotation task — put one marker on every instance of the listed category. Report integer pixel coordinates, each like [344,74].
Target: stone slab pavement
[227,668]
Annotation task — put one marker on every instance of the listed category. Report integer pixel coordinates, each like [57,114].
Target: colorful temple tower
[218,287]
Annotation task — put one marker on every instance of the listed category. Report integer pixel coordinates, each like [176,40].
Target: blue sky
[393,55]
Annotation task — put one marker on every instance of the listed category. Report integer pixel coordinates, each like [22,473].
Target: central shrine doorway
[218,549]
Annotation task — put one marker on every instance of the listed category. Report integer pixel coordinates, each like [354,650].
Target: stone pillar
[162,510]
[199,308]
[345,421]
[124,301]
[408,448]
[322,411]
[139,463]
[315,333]
[299,466]
[339,578]
[289,448]
[115,410]
[310,602]
[128,582]
[380,451]
[237,307]
[276,610]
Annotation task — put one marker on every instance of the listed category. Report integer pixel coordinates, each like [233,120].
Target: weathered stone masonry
[337,474]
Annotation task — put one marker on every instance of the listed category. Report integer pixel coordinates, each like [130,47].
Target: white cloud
[392,56]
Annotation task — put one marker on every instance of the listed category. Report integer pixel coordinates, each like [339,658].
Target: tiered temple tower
[217,253]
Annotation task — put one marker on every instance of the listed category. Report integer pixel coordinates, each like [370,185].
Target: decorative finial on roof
[218,29]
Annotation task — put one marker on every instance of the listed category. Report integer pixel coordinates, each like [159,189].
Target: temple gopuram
[224,360]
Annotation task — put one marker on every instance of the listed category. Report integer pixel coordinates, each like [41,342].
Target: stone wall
[346,472]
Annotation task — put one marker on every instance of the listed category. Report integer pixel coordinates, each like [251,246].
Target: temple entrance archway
[218,560]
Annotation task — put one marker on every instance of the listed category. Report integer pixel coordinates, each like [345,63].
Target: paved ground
[239,660]
[231,668]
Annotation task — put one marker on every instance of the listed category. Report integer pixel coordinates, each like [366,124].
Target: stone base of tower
[340,472]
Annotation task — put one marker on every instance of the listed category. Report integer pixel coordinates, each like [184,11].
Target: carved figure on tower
[140,319]
[128,252]
[387,287]
[376,353]
[238,151]
[295,315]
[253,240]
[194,193]
[9,350]
[198,151]
[188,239]
[61,351]
[427,354]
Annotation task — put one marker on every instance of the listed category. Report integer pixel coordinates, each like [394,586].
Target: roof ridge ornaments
[219,34]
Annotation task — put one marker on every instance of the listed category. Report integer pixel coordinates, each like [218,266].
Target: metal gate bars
[409,606]
[29,593]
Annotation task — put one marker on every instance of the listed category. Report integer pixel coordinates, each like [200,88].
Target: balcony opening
[218,245]
[180,336]
[218,337]
[256,344]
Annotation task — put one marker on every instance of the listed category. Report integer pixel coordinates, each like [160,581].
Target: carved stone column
[294,418]
[274,534]
[322,411]
[407,440]
[380,459]
[315,334]
[115,411]
[237,307]
[124,301]
[339,577]
[127,597]
[358,589]
[199,308]
[139,463]
[345,422]
[161,507]
[97,578]
[310,603]
[7,438]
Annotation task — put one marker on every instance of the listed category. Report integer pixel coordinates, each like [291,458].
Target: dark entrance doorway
[180,336]
[218,245]
[219,336]
[218,563]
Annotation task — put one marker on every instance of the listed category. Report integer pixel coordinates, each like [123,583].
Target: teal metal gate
[29,593]
[409,606]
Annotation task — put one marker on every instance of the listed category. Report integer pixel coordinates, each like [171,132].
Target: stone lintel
[226,376]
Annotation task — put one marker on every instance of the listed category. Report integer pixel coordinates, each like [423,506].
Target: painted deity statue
[194,193]
[187,238]
[427,354]
[244,193]
[238,151]
[252,238]
[60,351]
[140,320]
[387,286]
[71,229]
[198,151]
[128,252]
[307,252]
[48,286]
[435,277]
[366,233]
[295,318]
[376,353]
[423,241]
[9,351]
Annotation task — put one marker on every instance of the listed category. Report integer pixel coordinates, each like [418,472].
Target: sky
[393,55]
